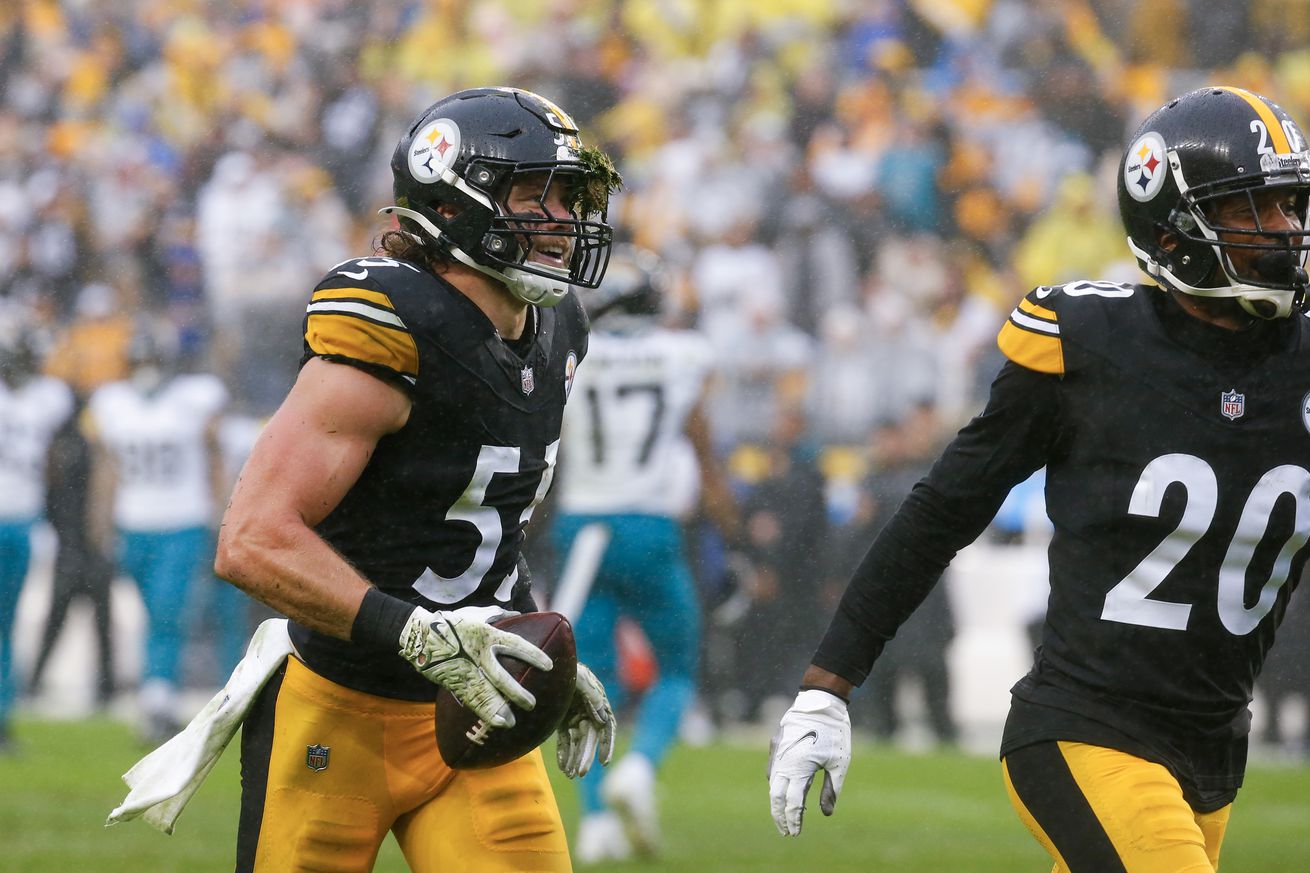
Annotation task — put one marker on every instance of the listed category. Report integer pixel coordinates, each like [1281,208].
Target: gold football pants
[1098,810]
[327,771]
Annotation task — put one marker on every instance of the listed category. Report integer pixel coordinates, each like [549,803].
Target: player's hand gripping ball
[467,742]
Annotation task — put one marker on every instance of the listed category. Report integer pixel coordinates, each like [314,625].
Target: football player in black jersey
[383,508]
[1173,419]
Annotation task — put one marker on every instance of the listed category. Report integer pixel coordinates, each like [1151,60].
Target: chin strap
[1254,299]
[528,287]
[1249,297]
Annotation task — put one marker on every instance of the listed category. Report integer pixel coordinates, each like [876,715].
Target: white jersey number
[1129,601]
[148,462]
[471,507]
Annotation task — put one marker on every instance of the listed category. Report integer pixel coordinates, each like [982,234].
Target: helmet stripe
[1277,136]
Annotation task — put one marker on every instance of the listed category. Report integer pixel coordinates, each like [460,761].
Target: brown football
[467,743]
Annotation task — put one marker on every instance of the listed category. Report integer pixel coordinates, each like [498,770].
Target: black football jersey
[1180,499]
[1178,484]
[437,517]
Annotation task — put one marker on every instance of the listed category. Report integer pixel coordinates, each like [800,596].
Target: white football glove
[458,650]
[814,735]
[587,726]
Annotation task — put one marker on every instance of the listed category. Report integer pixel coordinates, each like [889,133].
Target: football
[466,742]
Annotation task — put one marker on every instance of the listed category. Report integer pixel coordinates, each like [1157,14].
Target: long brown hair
[405,246]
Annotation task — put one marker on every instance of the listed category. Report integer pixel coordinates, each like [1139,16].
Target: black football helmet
[19,357]
[1196,150]
[635,286]
[465,152]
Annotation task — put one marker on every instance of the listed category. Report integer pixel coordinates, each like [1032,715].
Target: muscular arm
[946,511]
[310,454]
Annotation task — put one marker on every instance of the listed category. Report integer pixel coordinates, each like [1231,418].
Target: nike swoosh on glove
[814,735]
[459,650]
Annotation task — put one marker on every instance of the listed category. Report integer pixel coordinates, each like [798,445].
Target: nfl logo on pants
[316,757]
[1232,404]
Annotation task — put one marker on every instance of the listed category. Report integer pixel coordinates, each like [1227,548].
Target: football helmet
[452,173]
[1189,155]
[153,353]
[635,286]
[19,357]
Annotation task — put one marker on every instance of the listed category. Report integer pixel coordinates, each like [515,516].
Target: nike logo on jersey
[365,263]
[812,735]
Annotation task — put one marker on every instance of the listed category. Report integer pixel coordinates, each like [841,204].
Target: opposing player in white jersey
[634,434]
[157,463]
[32,407]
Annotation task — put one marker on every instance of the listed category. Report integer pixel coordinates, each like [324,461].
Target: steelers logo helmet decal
[1145,167]
[435,147]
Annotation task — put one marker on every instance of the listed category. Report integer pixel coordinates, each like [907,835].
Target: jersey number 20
[1129,601]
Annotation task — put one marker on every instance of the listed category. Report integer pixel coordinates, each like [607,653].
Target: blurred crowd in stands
[852,195]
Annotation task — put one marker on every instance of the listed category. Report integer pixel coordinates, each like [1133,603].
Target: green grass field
[898,813]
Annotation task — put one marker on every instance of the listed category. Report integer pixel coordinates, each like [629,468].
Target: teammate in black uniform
[1173,422]
[384,506]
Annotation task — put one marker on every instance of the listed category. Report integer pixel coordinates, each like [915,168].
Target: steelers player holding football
[383,508]
[1174,423]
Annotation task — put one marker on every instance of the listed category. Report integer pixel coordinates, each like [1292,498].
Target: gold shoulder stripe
[1040,311]
[347,335]
[375,297]
[1277,135]
[1038,351]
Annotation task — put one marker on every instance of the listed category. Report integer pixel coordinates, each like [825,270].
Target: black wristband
[843,698]
[380,620]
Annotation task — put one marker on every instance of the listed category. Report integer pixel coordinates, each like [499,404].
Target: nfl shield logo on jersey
[1232,404]
[527,381]
[316,757]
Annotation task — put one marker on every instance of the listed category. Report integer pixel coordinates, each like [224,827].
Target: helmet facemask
[460,176]
[1213,193]
[530,220]
[1263,267]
